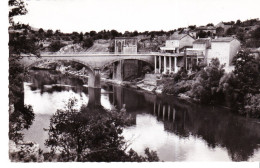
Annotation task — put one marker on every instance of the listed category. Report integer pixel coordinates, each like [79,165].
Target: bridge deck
[100,54]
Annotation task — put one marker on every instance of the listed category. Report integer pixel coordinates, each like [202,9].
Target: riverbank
[136,85]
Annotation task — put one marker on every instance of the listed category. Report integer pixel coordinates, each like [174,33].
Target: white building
[224,48]
[177,42]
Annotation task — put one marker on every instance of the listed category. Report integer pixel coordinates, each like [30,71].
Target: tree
[81,37]
[92,33]
[17,7]
[202,34]
[238,22]
[21,115]
[220,31]
[91,135]
[135,33]
[49,33]
[247,70]
[206,82]
[114,34]
[192,27]
[210,24]
[56,46]
[87,43]
[256,33]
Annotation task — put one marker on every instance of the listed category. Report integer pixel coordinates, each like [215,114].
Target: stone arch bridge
[94,61]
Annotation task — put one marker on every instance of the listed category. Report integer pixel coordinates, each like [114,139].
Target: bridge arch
[120,59]
[94,74]
[85,64]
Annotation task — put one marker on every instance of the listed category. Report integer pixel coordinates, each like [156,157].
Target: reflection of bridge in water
[96,62]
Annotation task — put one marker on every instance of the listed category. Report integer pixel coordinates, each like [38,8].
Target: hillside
[99,46]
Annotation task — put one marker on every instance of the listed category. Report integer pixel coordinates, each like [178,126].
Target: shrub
[252,105]
[56,46]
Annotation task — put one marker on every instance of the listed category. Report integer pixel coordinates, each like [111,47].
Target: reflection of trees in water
[216,126]
[41,79]
[21,117]
[90,135]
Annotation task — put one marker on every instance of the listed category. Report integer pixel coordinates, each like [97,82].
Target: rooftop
[201,41]
[125,37]
[224,39]
[206,28]
[178,36]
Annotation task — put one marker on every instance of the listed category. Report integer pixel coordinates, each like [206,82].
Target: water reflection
[177,130]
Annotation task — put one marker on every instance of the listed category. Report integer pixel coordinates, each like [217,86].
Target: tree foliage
[91,135]
[56,46]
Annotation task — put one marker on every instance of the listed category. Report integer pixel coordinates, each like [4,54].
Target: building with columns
[168,63]
[203,50]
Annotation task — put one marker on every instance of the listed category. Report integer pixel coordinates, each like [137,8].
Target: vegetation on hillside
[210,85]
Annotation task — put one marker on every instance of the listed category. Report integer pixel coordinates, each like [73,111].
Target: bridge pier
[94,79]
[126,69]
[94,98]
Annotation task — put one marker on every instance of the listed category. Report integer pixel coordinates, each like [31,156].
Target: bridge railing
[115,53]
[107,53]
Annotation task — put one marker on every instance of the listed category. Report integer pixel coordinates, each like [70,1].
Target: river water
[176,129]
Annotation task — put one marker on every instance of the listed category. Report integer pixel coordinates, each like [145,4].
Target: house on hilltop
[224,25]
[210,30]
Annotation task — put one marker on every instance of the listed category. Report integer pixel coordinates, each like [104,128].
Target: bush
[252,105]
[87,43]
[56,46]
[205,85]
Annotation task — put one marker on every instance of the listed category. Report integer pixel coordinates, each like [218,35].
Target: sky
[130,15]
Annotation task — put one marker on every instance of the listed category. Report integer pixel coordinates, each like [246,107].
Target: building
[210,30]
[224,25]
[126,45]
[177,43]
[193,34]
[224,48]
[198,52]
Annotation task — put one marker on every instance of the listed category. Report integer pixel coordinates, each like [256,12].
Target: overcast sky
[140,15]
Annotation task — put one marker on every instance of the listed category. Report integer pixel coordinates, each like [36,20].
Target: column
[159,109]
[164,69]
[169,112]
[170,64]
[160,64]
[154,108]
[173,115]
[155,62]
[163,112]
[186,63]
[114,99]
[175,65]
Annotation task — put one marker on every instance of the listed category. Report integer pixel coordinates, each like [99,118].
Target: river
[176,129]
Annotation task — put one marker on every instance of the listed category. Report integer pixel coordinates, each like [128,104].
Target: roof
[201,41]
[125,37]
[224,39]
[178,36]
[206,28]
[167,48]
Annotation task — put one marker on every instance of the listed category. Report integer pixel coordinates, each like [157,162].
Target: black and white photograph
[108,81]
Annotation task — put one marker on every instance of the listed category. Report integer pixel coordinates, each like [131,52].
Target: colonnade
[166,111]
[166,61]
